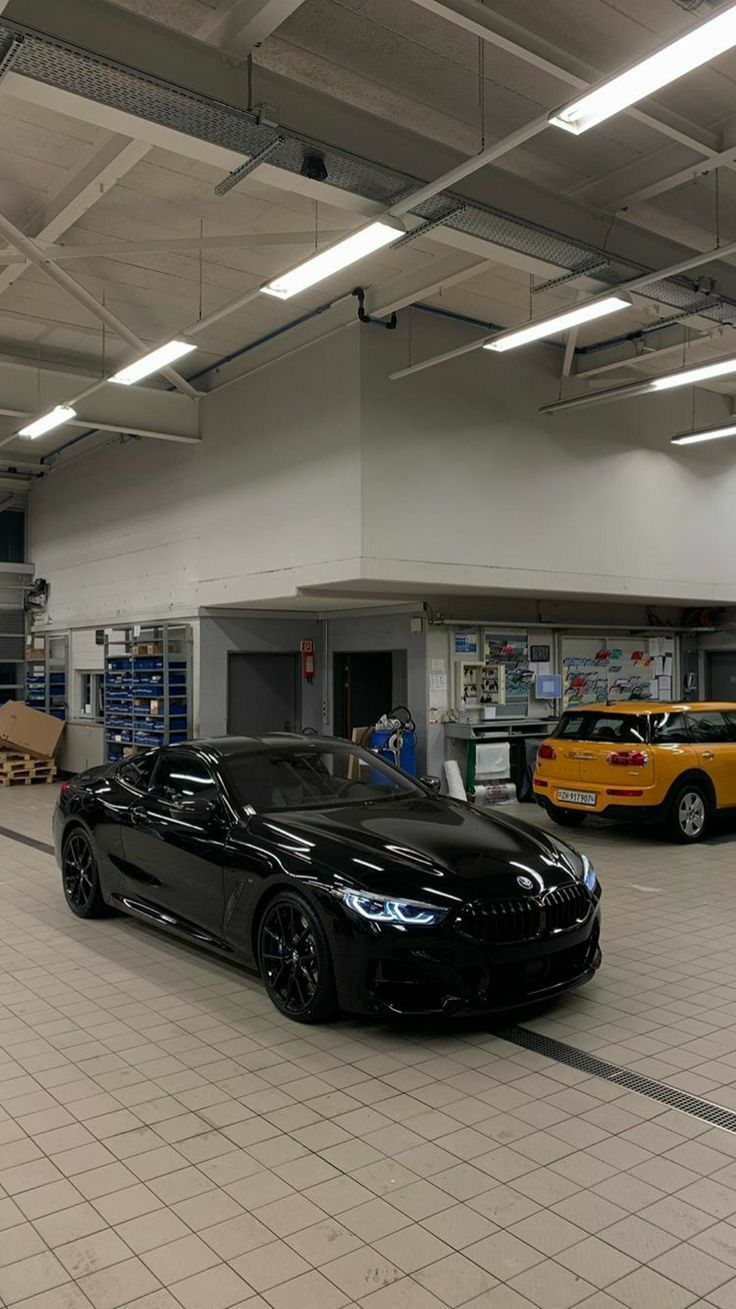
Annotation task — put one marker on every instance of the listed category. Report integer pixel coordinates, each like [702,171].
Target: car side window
[182,779]
[138,770]
[670,729]
[710,727]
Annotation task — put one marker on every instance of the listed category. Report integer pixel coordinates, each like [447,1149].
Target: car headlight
[386,909]
[588,874]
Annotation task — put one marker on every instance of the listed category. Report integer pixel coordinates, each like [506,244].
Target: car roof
[224,746]
[653,706]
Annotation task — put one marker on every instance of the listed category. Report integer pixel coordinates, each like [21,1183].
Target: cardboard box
[28,731]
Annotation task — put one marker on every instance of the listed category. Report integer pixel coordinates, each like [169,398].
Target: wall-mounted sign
[466,643]
[539,654]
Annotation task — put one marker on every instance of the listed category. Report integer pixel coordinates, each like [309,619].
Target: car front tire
[690,814]
[295,960]
[80,876]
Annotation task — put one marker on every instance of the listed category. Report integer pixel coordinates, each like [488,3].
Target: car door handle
[708,754]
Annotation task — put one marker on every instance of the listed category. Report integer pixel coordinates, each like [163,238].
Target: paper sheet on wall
[664,688]
[438,696]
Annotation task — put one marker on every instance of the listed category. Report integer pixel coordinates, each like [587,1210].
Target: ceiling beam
[560,64]
[78,292]
[60,254]
[244,24]
[28,391]
[78,194]
[613,199]
[307,113]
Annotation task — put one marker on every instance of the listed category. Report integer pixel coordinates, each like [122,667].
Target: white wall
[465,483]
[116,534]
[280,480]
[319,470]
[152,529]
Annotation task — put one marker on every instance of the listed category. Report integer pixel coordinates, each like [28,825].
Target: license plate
[577,797]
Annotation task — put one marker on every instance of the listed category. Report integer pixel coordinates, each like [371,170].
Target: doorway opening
[263,694]
[367,683]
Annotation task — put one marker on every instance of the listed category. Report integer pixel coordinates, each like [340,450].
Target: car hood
[416,846]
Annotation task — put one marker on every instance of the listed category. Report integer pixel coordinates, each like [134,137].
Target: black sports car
[344,881]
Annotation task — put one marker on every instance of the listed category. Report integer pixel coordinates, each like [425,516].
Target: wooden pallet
[23,769]
[19,779]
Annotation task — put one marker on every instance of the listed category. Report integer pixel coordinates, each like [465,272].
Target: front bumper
[442,973]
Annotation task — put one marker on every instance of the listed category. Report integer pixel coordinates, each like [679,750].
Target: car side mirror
[205,810]
[432,783]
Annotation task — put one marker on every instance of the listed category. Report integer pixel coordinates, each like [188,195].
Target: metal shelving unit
[47,677]
[148,687]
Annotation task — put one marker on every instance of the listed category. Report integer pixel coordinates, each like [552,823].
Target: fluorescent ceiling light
[697,47]
[153,362]
[47,423]
[705,434]
[543,327]
[332,260]
[690,376]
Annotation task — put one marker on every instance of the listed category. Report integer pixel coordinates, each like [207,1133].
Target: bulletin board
[600,669]
[511,652]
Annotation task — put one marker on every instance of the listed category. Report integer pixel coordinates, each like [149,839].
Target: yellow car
[641,761]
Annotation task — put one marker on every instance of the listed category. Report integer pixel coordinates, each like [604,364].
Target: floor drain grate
[589,1063]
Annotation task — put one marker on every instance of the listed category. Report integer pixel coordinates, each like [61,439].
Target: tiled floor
[166,1139]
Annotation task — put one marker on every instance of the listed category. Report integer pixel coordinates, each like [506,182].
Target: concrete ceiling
[403,85]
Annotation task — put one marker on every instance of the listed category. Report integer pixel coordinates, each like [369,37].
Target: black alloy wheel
[80,877]
[295,961]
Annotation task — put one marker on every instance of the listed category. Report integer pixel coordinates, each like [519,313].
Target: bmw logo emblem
[525,883]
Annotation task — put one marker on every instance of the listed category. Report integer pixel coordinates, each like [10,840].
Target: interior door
[263,694]
[174,843]
[714,741]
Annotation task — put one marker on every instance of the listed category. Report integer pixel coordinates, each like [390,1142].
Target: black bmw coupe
[346,883]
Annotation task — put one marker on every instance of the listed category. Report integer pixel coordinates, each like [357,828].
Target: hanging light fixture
[697,47]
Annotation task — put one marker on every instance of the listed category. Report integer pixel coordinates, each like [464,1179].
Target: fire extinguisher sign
[307,653]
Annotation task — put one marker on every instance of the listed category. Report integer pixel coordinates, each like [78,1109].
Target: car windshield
[314,776]
[622,729]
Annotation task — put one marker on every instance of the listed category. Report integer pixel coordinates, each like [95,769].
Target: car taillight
[546,751]
[628,758]
[64,788]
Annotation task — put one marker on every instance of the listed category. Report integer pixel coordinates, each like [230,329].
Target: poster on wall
[512,654]
[584,671]
[599,670]
[631,672]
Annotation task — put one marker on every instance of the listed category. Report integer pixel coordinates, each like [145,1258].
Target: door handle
[708,754]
